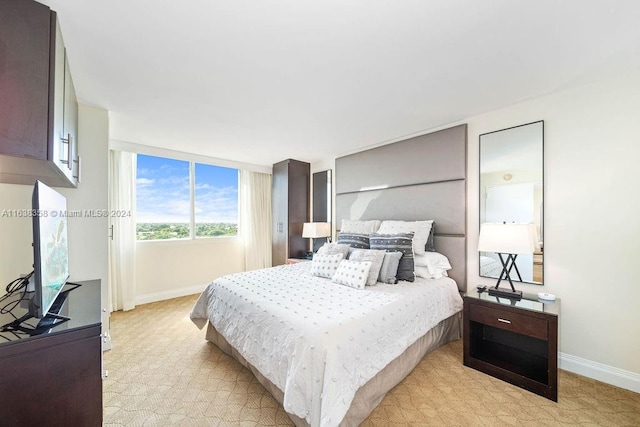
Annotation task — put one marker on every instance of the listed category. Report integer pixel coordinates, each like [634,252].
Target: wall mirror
[321,202]
[511,190]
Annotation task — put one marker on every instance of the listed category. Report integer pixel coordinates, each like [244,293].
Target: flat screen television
[50,248]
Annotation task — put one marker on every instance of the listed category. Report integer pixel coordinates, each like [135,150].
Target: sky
[162,191]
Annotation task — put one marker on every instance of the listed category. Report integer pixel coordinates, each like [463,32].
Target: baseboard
[174,293]
[601,372]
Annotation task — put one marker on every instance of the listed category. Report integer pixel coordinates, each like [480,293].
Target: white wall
[592,235]
[169,269]
[88,242]
[16,254]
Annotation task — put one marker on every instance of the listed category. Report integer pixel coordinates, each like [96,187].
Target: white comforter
[316,340]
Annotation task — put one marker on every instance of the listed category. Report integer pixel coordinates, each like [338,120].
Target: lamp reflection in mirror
[510,239]
[316,230]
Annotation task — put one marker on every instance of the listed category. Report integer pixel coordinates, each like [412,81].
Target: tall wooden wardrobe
[290,209]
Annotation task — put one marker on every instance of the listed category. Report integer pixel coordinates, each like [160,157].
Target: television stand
[55,378]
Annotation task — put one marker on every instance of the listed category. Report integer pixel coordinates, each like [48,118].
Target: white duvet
[318,341]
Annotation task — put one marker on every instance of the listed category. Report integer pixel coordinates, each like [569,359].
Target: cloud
[144,182]
[163,195]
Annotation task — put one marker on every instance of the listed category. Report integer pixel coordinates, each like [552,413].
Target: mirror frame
[542,206]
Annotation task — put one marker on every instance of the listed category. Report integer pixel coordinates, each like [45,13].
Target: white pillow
[325,265]
[435,262]
[376,258]
[424,273]
[352,273]
[420,230]
[359,227]
[334,248]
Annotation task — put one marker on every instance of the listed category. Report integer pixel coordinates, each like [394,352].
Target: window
[216,201]
[177,199]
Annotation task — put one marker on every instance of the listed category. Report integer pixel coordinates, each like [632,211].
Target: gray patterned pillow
[401,242]
[352,273]
[375,257]
[421,231]
[325,265]
[389,268]
[355,240]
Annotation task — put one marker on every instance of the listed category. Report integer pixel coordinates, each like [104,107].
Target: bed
[318,342]
[327,352]
[490,267]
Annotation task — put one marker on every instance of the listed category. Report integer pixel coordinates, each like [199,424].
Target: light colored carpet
[163,372]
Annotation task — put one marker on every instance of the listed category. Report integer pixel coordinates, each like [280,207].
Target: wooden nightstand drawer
[510,321]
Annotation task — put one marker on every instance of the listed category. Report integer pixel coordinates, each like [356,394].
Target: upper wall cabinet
[38,106]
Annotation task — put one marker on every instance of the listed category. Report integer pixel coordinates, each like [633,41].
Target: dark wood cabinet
[290,209]
[55,378]
[38,105]
[516,341]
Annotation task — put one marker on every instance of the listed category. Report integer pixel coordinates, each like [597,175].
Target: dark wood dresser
[55,378]
[514,340]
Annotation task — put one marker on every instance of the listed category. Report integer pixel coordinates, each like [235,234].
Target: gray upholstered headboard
[416,179]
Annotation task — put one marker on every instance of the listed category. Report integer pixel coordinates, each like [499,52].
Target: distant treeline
[163,231]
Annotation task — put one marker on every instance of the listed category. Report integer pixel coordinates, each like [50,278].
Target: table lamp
[316,230]
[510,239]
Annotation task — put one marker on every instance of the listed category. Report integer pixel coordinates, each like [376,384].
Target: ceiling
[263,80]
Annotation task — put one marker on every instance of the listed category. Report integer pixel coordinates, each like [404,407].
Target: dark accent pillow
[430,246]
[355,240]
[401,242]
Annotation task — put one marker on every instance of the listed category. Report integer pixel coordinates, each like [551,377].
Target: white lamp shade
[314,230]
[507,238]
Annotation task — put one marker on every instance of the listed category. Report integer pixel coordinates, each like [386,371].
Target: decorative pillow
[431,244]
[401,242]
[424,273]
[352,273]
[389,268]
[436,263]
[325,265]
[360,227]
[334,248]
[420,229]
[375,257]
[358,241]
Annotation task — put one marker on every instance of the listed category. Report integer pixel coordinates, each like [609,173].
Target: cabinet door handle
[504,320]
[77,176]
[69,151]
[68,140]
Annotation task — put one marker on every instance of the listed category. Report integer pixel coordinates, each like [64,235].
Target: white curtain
[122,250]
[255,218]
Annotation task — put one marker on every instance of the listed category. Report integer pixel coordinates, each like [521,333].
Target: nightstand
[515,341]
[296,260]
